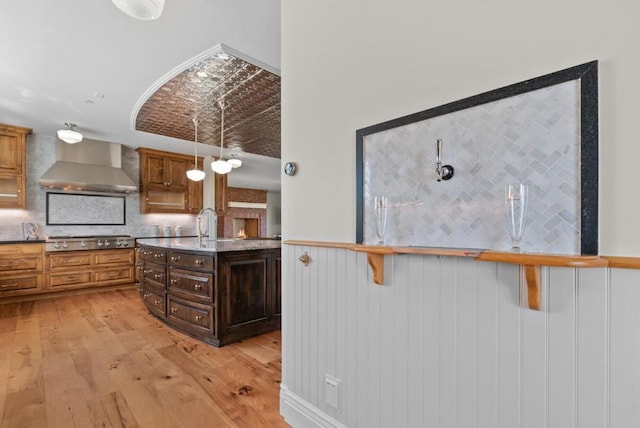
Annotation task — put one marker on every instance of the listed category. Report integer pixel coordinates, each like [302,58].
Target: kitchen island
[219,291]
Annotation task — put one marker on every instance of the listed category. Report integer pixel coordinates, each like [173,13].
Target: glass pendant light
[221,166]
[195,174]
[68,135]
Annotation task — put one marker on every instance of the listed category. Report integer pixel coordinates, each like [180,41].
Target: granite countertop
[21,241]
[218,246]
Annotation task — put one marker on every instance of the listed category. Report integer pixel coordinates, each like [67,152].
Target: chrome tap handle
[439,152]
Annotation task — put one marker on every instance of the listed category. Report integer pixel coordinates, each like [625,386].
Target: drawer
[190,316]
[21,249]
[20,283]
[67,260]
[155,273]
[155,302]
[111,257]
[192,261]
[20,263]
[123,274]
[69,278]
[191,285]
[153,254]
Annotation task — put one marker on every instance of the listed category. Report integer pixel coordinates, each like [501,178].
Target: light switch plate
[332,391]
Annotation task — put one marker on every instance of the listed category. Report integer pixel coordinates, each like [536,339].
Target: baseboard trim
[299,413]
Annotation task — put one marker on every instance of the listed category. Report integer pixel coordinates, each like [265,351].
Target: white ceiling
[86,62]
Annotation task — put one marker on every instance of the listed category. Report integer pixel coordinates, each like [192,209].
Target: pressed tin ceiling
[252,105]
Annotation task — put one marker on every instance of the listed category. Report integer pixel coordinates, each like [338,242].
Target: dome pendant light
[145,10]
[221,166]
[195,174]
[68,135]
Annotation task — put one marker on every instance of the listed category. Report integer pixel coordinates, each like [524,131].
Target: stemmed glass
[380,210]
[516,204]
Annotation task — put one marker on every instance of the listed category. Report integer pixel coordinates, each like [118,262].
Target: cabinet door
[11,152]
[11,194]
[177,173]
[194,196]
[244,286]
[153,172]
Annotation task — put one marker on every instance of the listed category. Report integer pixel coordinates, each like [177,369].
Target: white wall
[347,65]
[448,342]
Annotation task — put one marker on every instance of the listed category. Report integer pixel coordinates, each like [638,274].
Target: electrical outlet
[332,391]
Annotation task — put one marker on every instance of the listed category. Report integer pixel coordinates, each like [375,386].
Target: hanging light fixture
[145,10]
[195,174]
[221,166]
[68,135]
[235,162]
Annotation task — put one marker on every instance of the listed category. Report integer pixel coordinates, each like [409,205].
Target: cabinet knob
[174,310]
[157,256]
[197,287]
[157,276]
[175,258]
[198,317]
[305,259]
[199,262]
[173,281]
[157,302]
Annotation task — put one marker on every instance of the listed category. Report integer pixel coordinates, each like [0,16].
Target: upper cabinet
[164,187]
[12,166]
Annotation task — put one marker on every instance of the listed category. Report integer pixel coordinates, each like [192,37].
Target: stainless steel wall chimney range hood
[88,166]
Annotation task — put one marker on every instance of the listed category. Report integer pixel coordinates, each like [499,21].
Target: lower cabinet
[21,269]
[219,298]
[83,269]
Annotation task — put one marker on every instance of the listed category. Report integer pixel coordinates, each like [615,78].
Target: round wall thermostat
[290,168]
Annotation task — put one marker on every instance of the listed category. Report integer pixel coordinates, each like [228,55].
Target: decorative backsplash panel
[534,137]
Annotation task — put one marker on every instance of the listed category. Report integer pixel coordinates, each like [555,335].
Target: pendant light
[68,135]
[145,10]
[221,166]
[235,162]
[195,174]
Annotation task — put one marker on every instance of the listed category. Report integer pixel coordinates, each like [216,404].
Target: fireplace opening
[246,228]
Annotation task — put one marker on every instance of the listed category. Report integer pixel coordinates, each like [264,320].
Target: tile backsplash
[533,138]
[40,156]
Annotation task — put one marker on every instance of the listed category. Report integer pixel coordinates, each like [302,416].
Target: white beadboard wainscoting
[447,342]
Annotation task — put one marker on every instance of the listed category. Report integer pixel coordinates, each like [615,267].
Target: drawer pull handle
[175,258]
[157,302]
[197,287]
[198,317]
[11,263]
[174,310]
[157,276]
[12,284]
[199,262]
[173,281]
[157,256]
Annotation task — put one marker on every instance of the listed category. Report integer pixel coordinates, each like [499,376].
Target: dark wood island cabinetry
[217,291]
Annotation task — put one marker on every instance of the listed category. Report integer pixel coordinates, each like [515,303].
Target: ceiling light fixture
[221,166]
[68,135]
[141,9]
[235,162]
[195,174]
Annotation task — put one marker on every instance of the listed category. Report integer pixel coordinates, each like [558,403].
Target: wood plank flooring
[101,360]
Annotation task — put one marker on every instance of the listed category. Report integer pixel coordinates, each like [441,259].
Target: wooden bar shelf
[531,262]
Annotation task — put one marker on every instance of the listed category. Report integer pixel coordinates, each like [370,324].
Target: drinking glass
[380,210]
[516,204]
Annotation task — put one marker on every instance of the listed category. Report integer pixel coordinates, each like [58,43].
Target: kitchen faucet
[212,224]
[443,172]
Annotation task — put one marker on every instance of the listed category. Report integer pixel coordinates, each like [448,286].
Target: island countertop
[217,246]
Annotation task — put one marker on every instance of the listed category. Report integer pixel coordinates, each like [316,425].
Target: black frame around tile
[587,74]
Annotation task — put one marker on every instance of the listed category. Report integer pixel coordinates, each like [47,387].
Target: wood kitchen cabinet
[12,166]
[164,185]
[87,269]
[21,269]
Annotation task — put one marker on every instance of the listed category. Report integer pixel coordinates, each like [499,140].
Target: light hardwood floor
[101,360]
